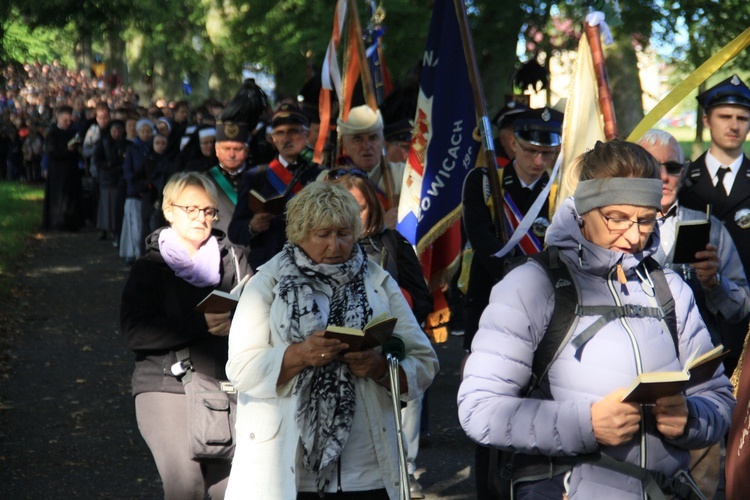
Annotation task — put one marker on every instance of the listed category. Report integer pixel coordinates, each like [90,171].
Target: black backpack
[508,468]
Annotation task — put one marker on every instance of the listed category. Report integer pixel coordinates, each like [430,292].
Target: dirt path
[67,424]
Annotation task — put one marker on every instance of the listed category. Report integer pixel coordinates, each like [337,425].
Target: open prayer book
[258,203]
[219,302]
[648,387]
[375,333]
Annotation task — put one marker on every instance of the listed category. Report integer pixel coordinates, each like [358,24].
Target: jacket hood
[565,233]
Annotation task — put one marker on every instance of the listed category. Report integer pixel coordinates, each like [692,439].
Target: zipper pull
[621,275]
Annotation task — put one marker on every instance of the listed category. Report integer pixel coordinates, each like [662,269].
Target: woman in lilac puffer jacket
[603,234]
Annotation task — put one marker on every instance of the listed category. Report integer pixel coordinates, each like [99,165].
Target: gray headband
[597,193]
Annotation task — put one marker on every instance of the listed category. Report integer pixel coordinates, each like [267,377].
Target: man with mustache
[289,172]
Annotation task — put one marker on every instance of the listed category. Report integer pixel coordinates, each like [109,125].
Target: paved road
[67,425]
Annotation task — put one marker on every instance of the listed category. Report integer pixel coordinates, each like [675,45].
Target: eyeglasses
[340,172]
[210,213]
[617,225]
[292,133]
[673,167]
[536,153]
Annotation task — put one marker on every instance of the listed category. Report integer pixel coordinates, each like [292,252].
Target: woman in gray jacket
[603,234]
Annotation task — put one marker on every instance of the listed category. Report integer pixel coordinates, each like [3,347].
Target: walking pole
[394,350]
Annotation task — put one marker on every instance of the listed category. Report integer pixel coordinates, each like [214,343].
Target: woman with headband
[591,443]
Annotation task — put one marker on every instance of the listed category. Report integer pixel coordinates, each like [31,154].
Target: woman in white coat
[312,420]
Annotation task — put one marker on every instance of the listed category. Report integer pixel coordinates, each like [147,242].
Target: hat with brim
[231,131]
[730,92]
[289,115]
[399,131]
[541,127]
[361,120]
[507,115]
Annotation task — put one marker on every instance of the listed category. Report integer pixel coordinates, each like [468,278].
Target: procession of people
[200,198]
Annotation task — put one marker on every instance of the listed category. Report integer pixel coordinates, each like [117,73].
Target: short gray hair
[321,205]
[656,137]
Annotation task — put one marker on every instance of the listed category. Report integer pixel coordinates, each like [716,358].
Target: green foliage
[22,43]
[20,217]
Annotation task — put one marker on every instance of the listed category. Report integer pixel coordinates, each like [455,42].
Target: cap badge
[735,80]
[546,115]
[231,130]
[511,104]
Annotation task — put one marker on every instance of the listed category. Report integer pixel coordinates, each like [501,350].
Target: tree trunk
[627,94]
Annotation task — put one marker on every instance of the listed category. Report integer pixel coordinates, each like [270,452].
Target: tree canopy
[157,45]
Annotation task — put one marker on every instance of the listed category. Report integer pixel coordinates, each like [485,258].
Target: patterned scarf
[202,270]
[326,398]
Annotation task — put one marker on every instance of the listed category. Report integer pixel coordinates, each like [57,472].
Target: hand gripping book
[219,302]
[375,333]
[258,203]
[648,387]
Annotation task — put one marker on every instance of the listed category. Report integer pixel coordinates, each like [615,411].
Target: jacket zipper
[638,363]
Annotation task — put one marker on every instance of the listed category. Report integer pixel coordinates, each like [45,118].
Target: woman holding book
[604,236]
[183,263]
[313,420]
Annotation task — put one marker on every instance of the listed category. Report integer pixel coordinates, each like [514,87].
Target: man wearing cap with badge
[232,151]
[292,169]
[721,178]
[535,144]
[362,140]
[397,141]
[504,119]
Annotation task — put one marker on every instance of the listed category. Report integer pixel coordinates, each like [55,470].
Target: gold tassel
[621,274]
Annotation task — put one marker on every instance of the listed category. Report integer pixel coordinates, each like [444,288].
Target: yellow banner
[697,77]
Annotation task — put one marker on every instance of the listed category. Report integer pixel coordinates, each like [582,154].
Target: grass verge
[20,220]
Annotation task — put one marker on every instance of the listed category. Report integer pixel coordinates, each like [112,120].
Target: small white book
[219,302]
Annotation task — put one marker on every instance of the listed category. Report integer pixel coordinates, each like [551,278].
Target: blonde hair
[321,205]
[181,180]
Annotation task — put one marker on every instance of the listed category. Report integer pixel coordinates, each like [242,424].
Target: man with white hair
[363,142]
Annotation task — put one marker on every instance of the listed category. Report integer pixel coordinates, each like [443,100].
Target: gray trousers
[162,421]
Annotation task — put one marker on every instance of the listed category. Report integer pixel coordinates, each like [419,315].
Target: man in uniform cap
[721,178]
[535,144]
[504,119]
[362,140]
[232,152]
[398,141]
[292,169]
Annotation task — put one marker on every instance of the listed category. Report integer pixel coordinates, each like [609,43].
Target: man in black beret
[721,178]
[535,145]
[264,230]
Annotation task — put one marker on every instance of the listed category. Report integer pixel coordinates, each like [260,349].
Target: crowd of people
[199,198]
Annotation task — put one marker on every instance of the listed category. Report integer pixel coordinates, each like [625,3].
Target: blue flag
[443,148]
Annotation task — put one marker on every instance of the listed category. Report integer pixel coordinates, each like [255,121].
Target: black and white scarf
[326,398]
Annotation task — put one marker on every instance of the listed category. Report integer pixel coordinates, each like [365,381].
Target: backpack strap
[563,320]
[664,297]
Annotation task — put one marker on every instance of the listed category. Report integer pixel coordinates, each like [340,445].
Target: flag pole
[602,81]
[485,130]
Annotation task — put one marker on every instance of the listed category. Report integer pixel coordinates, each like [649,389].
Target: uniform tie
[723,170]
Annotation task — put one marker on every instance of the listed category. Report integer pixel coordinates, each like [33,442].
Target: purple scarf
[202,270]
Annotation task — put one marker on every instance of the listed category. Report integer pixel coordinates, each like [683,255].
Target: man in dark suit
[721,178]
[535,145]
